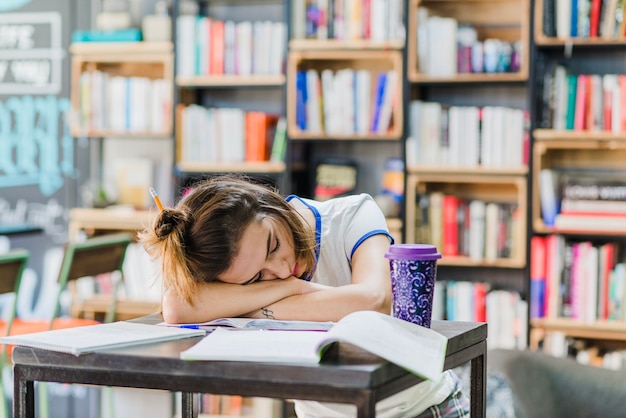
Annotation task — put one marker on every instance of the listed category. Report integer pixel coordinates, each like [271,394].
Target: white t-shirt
[341,225]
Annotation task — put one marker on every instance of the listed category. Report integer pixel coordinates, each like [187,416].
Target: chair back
[99,255]
[12,265]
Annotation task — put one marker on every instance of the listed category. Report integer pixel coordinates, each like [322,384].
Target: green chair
[95,256]
[12,265]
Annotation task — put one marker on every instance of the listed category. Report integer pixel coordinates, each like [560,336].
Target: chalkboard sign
[41,165]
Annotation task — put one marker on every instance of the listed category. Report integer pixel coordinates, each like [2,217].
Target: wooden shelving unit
[476,185]
[507,20]
[153,60]
[372,60]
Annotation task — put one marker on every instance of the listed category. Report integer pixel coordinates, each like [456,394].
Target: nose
[276,269]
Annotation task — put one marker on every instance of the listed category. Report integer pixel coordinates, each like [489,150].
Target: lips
[295,270]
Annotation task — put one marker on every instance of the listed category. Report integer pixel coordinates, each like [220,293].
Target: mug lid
[413,252]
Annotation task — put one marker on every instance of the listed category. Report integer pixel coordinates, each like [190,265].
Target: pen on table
[189,326]
[155,196]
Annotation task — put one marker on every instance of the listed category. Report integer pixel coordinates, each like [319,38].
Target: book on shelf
[90,338]
[393,339]
[593,222]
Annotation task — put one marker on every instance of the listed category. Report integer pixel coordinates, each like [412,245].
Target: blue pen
[189,326]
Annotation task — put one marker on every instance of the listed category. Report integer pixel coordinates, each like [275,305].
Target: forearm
[330,304]
[217,300]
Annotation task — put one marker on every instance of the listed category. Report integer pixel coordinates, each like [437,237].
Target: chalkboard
[41,166]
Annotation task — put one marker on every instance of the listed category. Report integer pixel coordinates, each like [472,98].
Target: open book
[250,323]
[419,350]
[85,339]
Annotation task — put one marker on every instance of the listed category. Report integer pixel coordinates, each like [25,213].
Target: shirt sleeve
[366,221]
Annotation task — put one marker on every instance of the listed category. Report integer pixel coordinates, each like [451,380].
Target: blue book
[378,100]
[301,100]
[574,19]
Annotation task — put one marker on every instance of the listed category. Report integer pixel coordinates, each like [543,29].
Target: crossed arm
[292,298]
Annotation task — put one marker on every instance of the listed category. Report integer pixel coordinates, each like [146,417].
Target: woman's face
[266,253]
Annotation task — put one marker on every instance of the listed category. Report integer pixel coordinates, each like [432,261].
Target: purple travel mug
[413,275]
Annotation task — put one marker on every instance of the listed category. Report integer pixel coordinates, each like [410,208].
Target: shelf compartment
[549,41]
[507,20]
[494,188]
[151,60]
[370,60]
[573,154]
[512,171]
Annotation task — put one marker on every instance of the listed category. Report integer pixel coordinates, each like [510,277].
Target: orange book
[255,136]
[217,47]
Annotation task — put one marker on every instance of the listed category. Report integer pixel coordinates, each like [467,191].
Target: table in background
[95,221]
[355,376]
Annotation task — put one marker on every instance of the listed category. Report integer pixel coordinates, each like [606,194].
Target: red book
[480,302]
[217,47]
[537,277]
[607,95]
[580,110]
[594,18]
[622,106]
[450,236]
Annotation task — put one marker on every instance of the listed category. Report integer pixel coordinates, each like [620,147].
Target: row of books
[238,406]
[375,20]
[584,102]
[583,199]
[123,104]
[467,136]
[582,280]
[227,135]
[504,310]
[475,228]
[584,18]
[445,48]
[585,352]
[348,102]
[207,46]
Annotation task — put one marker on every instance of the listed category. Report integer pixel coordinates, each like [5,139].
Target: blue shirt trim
[318,229]
[370,234]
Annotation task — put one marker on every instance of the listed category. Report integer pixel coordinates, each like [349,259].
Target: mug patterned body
[412,288]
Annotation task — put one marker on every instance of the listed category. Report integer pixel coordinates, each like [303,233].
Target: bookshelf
[453,150]
[103,71]
[575,146]
[230,88]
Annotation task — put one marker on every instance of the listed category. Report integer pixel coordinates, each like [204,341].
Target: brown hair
[198,238]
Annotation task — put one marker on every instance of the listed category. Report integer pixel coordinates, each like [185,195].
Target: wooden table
[355,376]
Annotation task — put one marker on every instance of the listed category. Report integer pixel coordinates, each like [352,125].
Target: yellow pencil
[154,195]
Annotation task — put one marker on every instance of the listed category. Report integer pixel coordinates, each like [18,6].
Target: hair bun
[168,221]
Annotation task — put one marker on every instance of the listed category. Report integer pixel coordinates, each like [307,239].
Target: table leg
[23,395]
[189,405]
[366,408]
[478,370]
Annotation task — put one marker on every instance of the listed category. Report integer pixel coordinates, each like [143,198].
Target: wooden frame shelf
[577,153]
[598,330]
[372,60]
[542,40]
[554,135]
[231,81]
[334,44]
[507,20]
[498,188]
[240,167]
[462,171]
[152,60]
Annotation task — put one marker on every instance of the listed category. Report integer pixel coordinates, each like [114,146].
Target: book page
[419,350]
[90,338]
[251,323]
[257,345]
